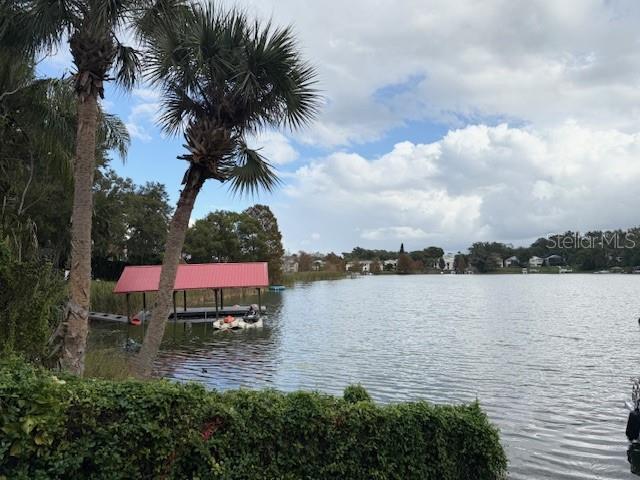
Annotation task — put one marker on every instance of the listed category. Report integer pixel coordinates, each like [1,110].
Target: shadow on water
[548,356]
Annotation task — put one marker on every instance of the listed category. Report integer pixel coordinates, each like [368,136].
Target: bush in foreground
[71,428]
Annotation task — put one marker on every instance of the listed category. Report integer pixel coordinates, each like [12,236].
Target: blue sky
[442,126]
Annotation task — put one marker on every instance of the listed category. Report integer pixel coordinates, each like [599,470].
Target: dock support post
[221,299]
[259,303]
[184,298]
[144,311]
[215,294]
[175,310]
[128,317]
[175,315]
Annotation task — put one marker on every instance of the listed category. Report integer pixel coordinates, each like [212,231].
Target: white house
[290,264]
[388,265]
[536,261]
[363,266]
[449,260]
[511,262]
[366,265]
[317,265]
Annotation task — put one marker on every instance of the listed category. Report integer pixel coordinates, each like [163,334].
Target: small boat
[238,323]
[251,319]
[276,288]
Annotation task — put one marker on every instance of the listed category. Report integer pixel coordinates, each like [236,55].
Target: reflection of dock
[191,314]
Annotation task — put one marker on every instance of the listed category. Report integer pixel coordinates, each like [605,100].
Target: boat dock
[189,315]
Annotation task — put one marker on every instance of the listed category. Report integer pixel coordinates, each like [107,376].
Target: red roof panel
[146,278]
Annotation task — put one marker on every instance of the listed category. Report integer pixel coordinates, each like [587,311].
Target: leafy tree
[38,118]
[460,263]
[375,267]
[305,262]
[31,294]
[147,213]
[272,237]
[222,77]
[334,263]
[404,263]
[441,263]
[484,256]
[110,193]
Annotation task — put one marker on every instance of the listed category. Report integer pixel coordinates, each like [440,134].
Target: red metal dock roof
[146,278]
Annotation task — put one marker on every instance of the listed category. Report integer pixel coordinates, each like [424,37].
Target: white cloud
[477,183]
[143,114]
[274,146]
[147,94]
[138,132]
[397,233]
[540,62]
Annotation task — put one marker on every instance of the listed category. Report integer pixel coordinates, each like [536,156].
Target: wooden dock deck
[190,315]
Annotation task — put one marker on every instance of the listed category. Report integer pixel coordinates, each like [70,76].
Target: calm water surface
[549,356]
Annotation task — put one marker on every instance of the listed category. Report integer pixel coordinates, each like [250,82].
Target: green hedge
[69,428]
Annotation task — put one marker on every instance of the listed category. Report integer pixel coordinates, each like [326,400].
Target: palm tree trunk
[143,364]
[76,323]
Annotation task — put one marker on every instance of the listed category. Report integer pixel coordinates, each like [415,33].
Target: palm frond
[113,134]
[127,66]
[251,173]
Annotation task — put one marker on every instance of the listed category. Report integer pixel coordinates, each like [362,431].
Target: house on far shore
[554,260]
[497,260]
[449,260]
[511,262]
[390,265]
[317,265]
[536,261]
[290,264]
[366,266]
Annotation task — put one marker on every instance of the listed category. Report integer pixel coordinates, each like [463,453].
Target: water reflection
[549,357]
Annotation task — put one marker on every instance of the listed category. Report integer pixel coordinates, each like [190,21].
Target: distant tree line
[594,250]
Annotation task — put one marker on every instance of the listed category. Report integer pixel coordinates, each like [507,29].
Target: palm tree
[222,77]
[91,27]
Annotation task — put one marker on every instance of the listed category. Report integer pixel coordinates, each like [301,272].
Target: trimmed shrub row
[54,428]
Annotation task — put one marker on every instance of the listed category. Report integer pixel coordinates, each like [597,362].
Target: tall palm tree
[91,27]
[223,77]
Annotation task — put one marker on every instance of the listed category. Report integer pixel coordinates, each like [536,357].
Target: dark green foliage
[83,429]
[249,236]
[130,222]
[356,393]
[31,294]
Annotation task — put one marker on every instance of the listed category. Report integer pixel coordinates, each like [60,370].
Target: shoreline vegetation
[78,428]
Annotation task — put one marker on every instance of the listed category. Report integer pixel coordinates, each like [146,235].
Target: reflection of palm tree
[223,77]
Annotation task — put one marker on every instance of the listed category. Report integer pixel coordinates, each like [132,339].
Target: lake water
[550,357]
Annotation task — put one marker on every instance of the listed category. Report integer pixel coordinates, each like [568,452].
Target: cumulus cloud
[143,113]
[477,183]
[274,146]
[539,63]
